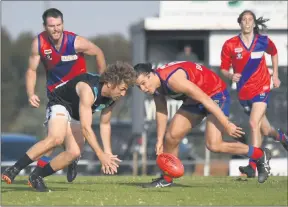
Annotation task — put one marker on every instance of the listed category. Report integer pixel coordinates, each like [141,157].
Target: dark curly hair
[118,73]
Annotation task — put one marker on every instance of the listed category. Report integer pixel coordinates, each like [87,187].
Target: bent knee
[265,131]
[213,147]
[74,153]
[254,124]
[55,140]
[172,137]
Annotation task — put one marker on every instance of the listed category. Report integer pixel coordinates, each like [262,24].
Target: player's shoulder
[262,36]
[39,39]
[70,33]
[232,40]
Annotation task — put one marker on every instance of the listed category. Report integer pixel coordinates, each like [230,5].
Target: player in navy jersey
[76,100]
[62,54]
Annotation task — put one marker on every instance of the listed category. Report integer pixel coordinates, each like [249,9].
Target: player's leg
[72,152]
[57,127]
[77,133]
[215,143]
[269,131]
[256,109]
[180,125]
[45,159]
[256,116]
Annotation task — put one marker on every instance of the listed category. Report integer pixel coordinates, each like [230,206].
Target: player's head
[248,22]
[53,23]
[118,78]
[146,78]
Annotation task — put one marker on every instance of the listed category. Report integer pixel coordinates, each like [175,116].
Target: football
[170,165]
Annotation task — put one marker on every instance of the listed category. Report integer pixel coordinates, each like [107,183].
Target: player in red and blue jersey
[245,52]
[203,94]
[62,54]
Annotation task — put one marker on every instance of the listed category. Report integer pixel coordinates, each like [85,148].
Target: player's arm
[161,116]
[179,83]
[31,73]
[272,50]
[226,61]
[85,46]
[105,128]
[86,97]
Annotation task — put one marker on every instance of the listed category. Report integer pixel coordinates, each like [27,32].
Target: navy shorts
[222,99]
[247,104]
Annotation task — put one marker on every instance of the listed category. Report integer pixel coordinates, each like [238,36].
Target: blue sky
[87,18]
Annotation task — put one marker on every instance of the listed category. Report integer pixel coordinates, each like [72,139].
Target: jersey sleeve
[271,49]
[226,59]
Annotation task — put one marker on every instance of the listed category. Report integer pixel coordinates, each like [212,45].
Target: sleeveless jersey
[66,95]
[61,65]
[208,81]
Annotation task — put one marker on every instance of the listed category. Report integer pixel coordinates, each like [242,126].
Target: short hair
[143,69]
[258,22]
[118,73]
[52,12]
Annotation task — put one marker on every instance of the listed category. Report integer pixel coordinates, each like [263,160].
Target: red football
[170,165]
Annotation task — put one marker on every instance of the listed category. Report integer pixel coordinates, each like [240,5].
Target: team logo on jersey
[48,54]
[68,58]
[238,49]
[47,51]
[239,55]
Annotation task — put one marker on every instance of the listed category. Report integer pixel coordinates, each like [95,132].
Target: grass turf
[127,190]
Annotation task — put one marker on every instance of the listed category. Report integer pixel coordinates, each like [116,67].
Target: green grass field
[127,190]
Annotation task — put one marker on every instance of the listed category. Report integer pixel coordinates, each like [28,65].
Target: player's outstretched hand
[34,101]
[109,163]
[234,131]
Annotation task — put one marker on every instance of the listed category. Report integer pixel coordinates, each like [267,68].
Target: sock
[280,136]
[43,161]
[45,171]
[252,164]
[167,178]
[23,162]
[254,152]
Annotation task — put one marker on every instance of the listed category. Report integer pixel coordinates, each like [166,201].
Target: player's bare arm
[31,74]
[87,47]
[179,83]
[105,128]
[85,112]
[105,132]
[272,50]
[275,76]
[226,61]
[161,119]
